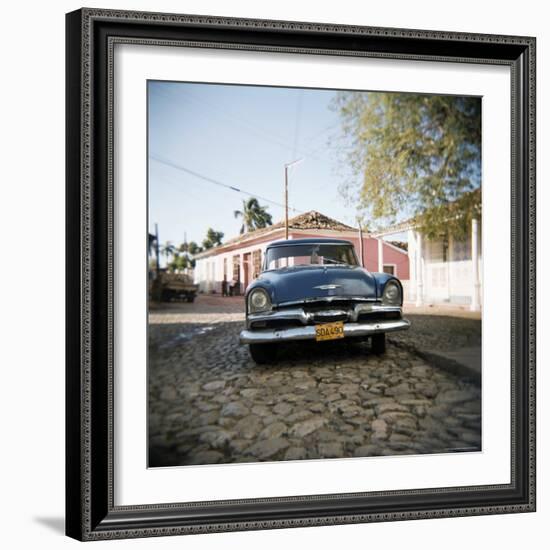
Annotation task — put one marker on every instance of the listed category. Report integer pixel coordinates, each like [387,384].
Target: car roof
[308,241]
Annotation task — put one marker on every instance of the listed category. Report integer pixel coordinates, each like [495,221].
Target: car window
[310,254]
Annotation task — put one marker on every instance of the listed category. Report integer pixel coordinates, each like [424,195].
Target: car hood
[294,284]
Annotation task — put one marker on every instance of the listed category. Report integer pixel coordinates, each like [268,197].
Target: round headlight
[259,301]
[392,294]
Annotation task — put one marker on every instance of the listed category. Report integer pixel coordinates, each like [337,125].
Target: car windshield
[310,254]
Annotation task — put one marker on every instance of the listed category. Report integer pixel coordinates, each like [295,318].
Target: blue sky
[240,136]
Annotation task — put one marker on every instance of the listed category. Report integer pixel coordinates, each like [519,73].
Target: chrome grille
[330,316]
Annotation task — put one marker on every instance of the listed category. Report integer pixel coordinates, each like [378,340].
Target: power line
[297,123]
[216,182]
[252,127]
[316,135]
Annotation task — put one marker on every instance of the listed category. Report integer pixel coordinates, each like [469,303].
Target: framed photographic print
[300,274]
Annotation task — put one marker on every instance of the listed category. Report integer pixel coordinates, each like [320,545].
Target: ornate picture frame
[91,511]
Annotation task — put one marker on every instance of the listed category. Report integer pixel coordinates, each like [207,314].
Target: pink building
[240,259]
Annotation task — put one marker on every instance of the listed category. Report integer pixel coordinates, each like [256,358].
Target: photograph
[314,273]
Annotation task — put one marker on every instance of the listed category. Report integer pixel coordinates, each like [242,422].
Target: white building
[443,271]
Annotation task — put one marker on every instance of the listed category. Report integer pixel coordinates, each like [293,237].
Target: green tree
[413,155]
[194,248]
[179,263]
[253,215]
[213,238]
[172,264]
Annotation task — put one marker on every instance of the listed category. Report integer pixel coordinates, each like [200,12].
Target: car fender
[264,284]
[381,280]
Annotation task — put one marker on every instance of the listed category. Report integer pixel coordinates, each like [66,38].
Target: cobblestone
[209,403]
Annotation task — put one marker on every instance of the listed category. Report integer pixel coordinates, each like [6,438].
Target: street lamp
[287,166]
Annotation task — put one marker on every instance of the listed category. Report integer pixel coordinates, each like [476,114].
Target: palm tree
[194,248]
[151,242]
[253,215]
[168,249]
[213,238]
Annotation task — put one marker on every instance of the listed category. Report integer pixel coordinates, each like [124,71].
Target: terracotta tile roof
[308,220]
[316,220]
[400,244]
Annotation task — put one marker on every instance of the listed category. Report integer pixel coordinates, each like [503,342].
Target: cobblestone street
[210,403]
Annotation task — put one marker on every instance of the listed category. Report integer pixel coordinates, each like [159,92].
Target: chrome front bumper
[353,327]
[262,336]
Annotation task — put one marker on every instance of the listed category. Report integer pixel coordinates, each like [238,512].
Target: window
[389,269]
[311,255]
[462,250]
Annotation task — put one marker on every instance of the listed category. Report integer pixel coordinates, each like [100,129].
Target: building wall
[447,270]
[209,271]
[390,255]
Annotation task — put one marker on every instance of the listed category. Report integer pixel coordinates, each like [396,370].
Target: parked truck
[173,286]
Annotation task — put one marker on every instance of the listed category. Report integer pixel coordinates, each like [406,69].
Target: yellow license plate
[329,331]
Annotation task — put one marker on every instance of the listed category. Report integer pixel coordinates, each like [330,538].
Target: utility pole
[157,248]
[287,166]
[286,202]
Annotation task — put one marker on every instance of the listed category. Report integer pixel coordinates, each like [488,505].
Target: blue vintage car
[315,289]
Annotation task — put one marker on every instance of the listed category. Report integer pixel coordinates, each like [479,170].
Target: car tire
[378,344]
[263,353]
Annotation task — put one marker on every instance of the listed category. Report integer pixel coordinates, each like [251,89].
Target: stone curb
[442,362]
